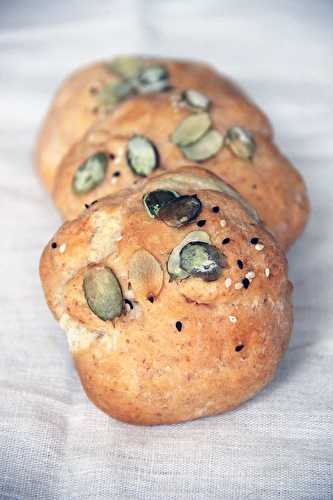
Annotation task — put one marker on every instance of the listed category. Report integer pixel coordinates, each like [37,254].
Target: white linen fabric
[54,444]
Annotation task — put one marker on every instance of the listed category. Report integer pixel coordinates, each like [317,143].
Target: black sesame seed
[226,241]
[240,264]
[216,210]
[254,241]
[179,326]
[201,222]
[87,205]
[116,174]
[246,283]
[93,202]
[129,303]
[112,156]
[238,348]
[151,298]
[54,245]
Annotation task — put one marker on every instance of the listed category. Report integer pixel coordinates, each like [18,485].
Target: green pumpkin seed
[196,99]
[152,79]
[142,155]
[90,174]
[241,142]
[103,293]
[173,266]
[202,260]
[204,148]
[126,67]
[113,93]
[155,200]
[191,129]
[180,211]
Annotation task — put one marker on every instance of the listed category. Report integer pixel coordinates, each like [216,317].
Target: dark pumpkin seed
[155,200]
[241,142]
[126,67]
[113,93]
[180,211]
[90,174]
[142,155]
[191,129]
[173,266]
[152,79]
[196,99]
[202,260]
[103,293]
[206,147]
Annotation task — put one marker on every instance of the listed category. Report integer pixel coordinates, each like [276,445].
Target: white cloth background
[53,443]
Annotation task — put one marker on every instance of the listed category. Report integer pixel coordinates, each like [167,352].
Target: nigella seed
[238,348]
[246,283]
[54,244]
[240,264]
[254,241]
[226,241]
[129,303]
[179,325]
[216,210]
[201,223]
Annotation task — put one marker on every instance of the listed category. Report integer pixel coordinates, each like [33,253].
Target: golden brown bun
[75,107]
[268,181]
[139,367]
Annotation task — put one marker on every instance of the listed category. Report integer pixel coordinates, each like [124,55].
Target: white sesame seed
[223,222]
[228,282]
[117,160]
[62,248]
[238,286]
[114,180]
[119,238]
[233,319]
[259,247]
[250,275]
[267,272]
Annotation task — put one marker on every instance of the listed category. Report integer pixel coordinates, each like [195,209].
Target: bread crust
[268,181]
[75,108]
[139,367]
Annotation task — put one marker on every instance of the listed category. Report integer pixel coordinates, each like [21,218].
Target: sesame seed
[129,304]
[216,210]
[238,348]
[228,282]
[233,319]
[238,286]
[240,264]
[250,275]
[151,298]
[62,248]
[201,223]
[254,241]
[54,244]
[114,180]
[116,174]
[226,241]
[267,272]
[223,222]
[259,247]
[246,283]
[179,325]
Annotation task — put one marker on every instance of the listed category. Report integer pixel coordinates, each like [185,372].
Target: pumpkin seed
[173,266]
[90,174]
[196,99]
[241,142]
[191,129]
[155,200]
[202,260]
[145,274]
[113,93]
[180,211]
[103,293]
[142,155]
[204,148]
[126,67]
[152,79]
